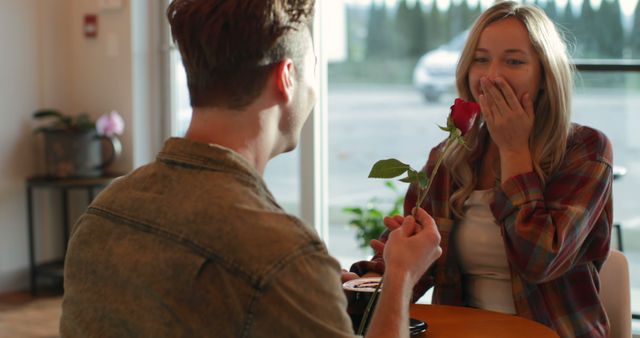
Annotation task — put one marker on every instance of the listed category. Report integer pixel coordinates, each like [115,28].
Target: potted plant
[367,219]
[73,145]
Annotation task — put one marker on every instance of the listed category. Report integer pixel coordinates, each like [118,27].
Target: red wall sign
[90,26]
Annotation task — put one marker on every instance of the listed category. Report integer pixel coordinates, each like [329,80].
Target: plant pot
[78,154]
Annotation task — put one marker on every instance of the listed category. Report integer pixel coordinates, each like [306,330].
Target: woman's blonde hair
[552,107]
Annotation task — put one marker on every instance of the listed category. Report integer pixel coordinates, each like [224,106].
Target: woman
[525,215]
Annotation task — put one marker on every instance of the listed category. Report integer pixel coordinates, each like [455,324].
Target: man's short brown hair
[228,47]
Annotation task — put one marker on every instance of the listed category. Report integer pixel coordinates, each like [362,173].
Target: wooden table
[464,322]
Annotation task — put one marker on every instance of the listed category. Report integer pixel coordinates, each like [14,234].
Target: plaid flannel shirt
[556,237]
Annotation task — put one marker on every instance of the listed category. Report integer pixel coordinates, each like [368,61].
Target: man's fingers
[409,226]
[424,218]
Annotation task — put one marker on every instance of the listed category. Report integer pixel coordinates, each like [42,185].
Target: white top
[482,256]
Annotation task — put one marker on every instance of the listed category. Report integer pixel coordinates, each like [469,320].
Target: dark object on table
[417,326]
[359,292]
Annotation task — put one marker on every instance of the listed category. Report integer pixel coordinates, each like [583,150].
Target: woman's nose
[493,71]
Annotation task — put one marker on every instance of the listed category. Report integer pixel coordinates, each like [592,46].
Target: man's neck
[252,132]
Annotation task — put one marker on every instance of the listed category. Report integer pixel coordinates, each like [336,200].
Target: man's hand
[412,247]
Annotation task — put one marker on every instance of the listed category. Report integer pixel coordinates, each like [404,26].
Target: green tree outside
[418,31]
[608,30]
[379,33]
[403,29]
[634,41]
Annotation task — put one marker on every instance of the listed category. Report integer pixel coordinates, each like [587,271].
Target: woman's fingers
[347,276]
[508,94]
[393,222]
[527,104]
[495,100]
[377,246]
[487,112]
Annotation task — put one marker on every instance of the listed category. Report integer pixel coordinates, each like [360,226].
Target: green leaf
[444,128]
[357,211]
[84,122]
[60,120]
[450,123]
[407,180]
[375,213]
[412,177]
[47,113]
[389,168]
[358,223]
[390,185]
[423,180]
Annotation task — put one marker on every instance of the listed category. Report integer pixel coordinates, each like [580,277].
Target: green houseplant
[73,145]
[367,219]
[62,122]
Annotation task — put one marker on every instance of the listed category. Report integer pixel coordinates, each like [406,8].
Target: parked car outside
[435,72]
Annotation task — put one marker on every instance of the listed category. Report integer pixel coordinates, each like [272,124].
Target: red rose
[464,114]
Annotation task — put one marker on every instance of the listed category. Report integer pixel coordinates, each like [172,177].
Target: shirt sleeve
[304,300]
[548,228]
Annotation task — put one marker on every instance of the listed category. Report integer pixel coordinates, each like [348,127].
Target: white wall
[46,62]
[101,80]
[19,95]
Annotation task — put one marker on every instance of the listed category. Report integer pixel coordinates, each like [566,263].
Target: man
[194,245]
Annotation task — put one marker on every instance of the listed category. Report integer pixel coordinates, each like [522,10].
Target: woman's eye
[480,59]
[515,62]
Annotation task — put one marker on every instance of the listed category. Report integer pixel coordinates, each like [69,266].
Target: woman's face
[504,50]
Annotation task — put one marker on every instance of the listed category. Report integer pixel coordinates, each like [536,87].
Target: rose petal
[464,114]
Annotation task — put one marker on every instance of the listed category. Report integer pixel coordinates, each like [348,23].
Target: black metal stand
[54,269]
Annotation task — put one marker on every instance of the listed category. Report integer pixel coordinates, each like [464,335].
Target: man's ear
[285,79]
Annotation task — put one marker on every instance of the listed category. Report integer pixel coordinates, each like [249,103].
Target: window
[388,70]
[392,81]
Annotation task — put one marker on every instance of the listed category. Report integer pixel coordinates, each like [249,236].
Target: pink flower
[110,124]
[464,114]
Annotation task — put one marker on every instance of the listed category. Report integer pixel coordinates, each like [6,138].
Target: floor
[24,316]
